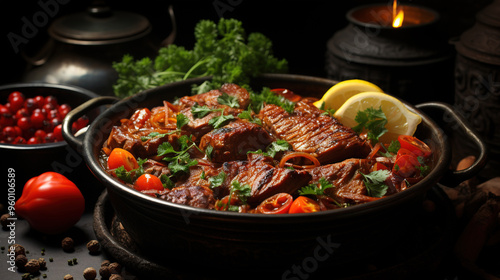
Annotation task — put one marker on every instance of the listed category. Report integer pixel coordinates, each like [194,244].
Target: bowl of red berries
[31,115]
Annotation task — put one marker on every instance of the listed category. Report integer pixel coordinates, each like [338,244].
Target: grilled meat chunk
[307,130]
[346,178]
[233,141]
[266,180]
[196,196]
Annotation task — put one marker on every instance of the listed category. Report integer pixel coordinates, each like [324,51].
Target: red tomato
[148,182]
[379,166]
[406,165]
[304,204]
[277,204]
[288,94]
[140,117]
[120,157]
[415,145]
[51,203]
[58,132]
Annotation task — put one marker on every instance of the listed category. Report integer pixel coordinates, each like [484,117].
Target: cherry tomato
[6,118]
[51,100]
[148,182]
[304,204]
[23,112]
[30,104]
[33,140]
[277,204]
[10,132]
[120,157]
[16,103]
[63,110]
[379,166]
[39,101]
[51,203]
[415,145]
[288,94]
[19,140]
[406,165]
[140,117]
[49,138]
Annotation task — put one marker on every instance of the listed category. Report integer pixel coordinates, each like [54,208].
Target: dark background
[298,29]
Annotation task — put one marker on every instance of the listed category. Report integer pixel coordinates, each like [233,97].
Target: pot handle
[73,140]
[453,178]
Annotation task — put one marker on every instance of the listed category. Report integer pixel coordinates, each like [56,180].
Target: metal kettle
[83,46]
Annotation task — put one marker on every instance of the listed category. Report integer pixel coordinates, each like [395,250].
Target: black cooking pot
[176,234]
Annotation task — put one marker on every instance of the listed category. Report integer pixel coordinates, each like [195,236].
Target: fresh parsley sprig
[373,120]
[316,188]
[266,96]
[273,148]
[217,121]
[130,176]
[375,182]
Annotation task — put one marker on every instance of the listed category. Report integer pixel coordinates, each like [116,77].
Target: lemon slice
[340,92]
[400,120]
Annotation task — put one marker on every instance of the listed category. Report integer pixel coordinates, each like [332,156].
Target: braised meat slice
[346,178]
[307,130]
[266,180]
[200,126]
[210,98]
[196,196]
[233,141]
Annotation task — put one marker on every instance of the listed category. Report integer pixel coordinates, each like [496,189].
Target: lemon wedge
[400,120]
[340,92]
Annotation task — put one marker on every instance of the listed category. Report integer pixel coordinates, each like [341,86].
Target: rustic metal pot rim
[352,19]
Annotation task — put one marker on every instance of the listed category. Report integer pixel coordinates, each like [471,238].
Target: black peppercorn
[68,244]
[93,246]
[4,220]
[115,277]
[43,263]
[21,261]
[32,266]
[18,250]
[89,273]
[115,268]
[104,272]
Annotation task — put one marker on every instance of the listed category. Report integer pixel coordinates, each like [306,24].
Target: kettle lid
[99,25]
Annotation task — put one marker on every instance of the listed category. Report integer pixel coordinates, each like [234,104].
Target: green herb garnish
[273,148]
[266,96]
[221,50]
[375,182]
[373,121]
[217,180]
[316,188]
[226,99]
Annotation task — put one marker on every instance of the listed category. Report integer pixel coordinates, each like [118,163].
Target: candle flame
[397,15]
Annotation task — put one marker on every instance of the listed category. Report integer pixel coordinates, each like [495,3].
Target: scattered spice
[26,276]
[75,261]
[4,220]
[115,277]
[89,273]
[21,261]
[68,244]
[33,266]
[51,259]
[93,246]
[18,250]
[104,272]
[43,263]
[68,277]
[44,275]
[115,268]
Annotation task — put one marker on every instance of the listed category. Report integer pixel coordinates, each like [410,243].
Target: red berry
[37,119]
[30,104]
[23,112]
[16,103]
[39,101]
[51,100]
[24,123]
[58,133]
[64,110]
[48,107]
[50,138]
[10,132]
[14,94]
[6,117]
[40,134]
[19,140]
[33,140]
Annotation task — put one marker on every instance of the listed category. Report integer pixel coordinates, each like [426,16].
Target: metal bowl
[26,161]
[177,234]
